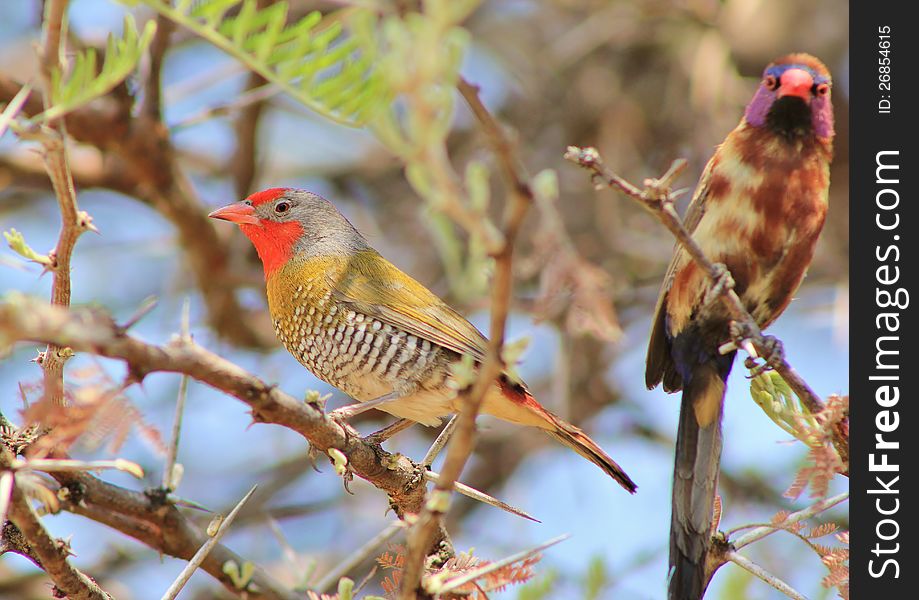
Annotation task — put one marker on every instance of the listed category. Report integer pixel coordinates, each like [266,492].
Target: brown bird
[758,209]
[360,324]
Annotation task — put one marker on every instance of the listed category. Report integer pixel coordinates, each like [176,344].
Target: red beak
[796,82]
[238,213]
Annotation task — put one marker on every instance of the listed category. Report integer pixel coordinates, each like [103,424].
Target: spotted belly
[368,359]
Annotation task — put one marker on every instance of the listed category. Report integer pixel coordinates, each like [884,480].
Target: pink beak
[796,82]
[239,213]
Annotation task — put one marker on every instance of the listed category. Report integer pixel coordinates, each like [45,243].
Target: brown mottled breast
[759,209]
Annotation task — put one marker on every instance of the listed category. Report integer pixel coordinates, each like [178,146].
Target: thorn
[185,330]
[146,305]
[85,222]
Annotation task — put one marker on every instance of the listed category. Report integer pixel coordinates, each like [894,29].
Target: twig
[658,198]
[50,553]
[471,492]
[147,305]
[725,550]
[205,549]
[153,90]
[422,534]
[765,575]
[58,465]
[160,526]
[91,331]
[801,515]
[358,557]
[73,222]
[290,555]
[442,438]
[142,163]
[251,105]
[13,107]
[169,475]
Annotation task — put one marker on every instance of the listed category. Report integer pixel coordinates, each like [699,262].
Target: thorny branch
[140,160]
[73,222]
[50,554]
[84,330]
[159,525]
[727,551]
[658,198]
[423,533]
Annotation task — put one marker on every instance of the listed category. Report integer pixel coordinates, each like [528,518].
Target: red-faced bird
[758,209]
[360,324]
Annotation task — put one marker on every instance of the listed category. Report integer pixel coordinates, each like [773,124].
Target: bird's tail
[581,443]
[514,403]
[695,475]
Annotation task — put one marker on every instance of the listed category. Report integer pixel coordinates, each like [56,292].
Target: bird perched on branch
[758,210]
[360,324]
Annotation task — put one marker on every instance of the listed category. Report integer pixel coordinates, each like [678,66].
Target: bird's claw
[722,282]
[773,357]
[311,453]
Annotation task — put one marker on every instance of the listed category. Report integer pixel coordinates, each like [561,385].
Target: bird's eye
[822,89]
[771,82]
[282,207]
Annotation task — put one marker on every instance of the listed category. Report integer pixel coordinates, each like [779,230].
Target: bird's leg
[442,438]
[346,412]
[722,282]
[378,437]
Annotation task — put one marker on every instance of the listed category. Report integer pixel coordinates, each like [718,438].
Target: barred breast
[358,354]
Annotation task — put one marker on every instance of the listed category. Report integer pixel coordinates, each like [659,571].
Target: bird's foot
[722,283]
[350,411]
[773,357]
[378,437]
[311,453]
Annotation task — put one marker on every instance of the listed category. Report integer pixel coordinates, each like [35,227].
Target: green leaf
[18,245]
[776,398]
[312,60]
[83,84]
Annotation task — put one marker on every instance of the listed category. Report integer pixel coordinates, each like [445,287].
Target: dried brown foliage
[826,458]
[495,580]
[97,411]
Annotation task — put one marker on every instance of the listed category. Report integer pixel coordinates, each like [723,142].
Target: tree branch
[50,554]
[462,444]
[142,163]
[158,524]
[91,331]
[73,221]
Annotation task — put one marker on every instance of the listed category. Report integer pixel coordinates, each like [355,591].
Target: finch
[758,209]
[360,324]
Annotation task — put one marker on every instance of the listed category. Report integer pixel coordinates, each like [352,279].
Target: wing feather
[659,363]
[375,287]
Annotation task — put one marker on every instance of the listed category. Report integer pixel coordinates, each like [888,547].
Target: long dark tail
[695,475]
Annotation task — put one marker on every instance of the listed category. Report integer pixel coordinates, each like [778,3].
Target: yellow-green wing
[659,364]
[377,288]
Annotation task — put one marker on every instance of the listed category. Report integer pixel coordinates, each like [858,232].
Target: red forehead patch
[268,195]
